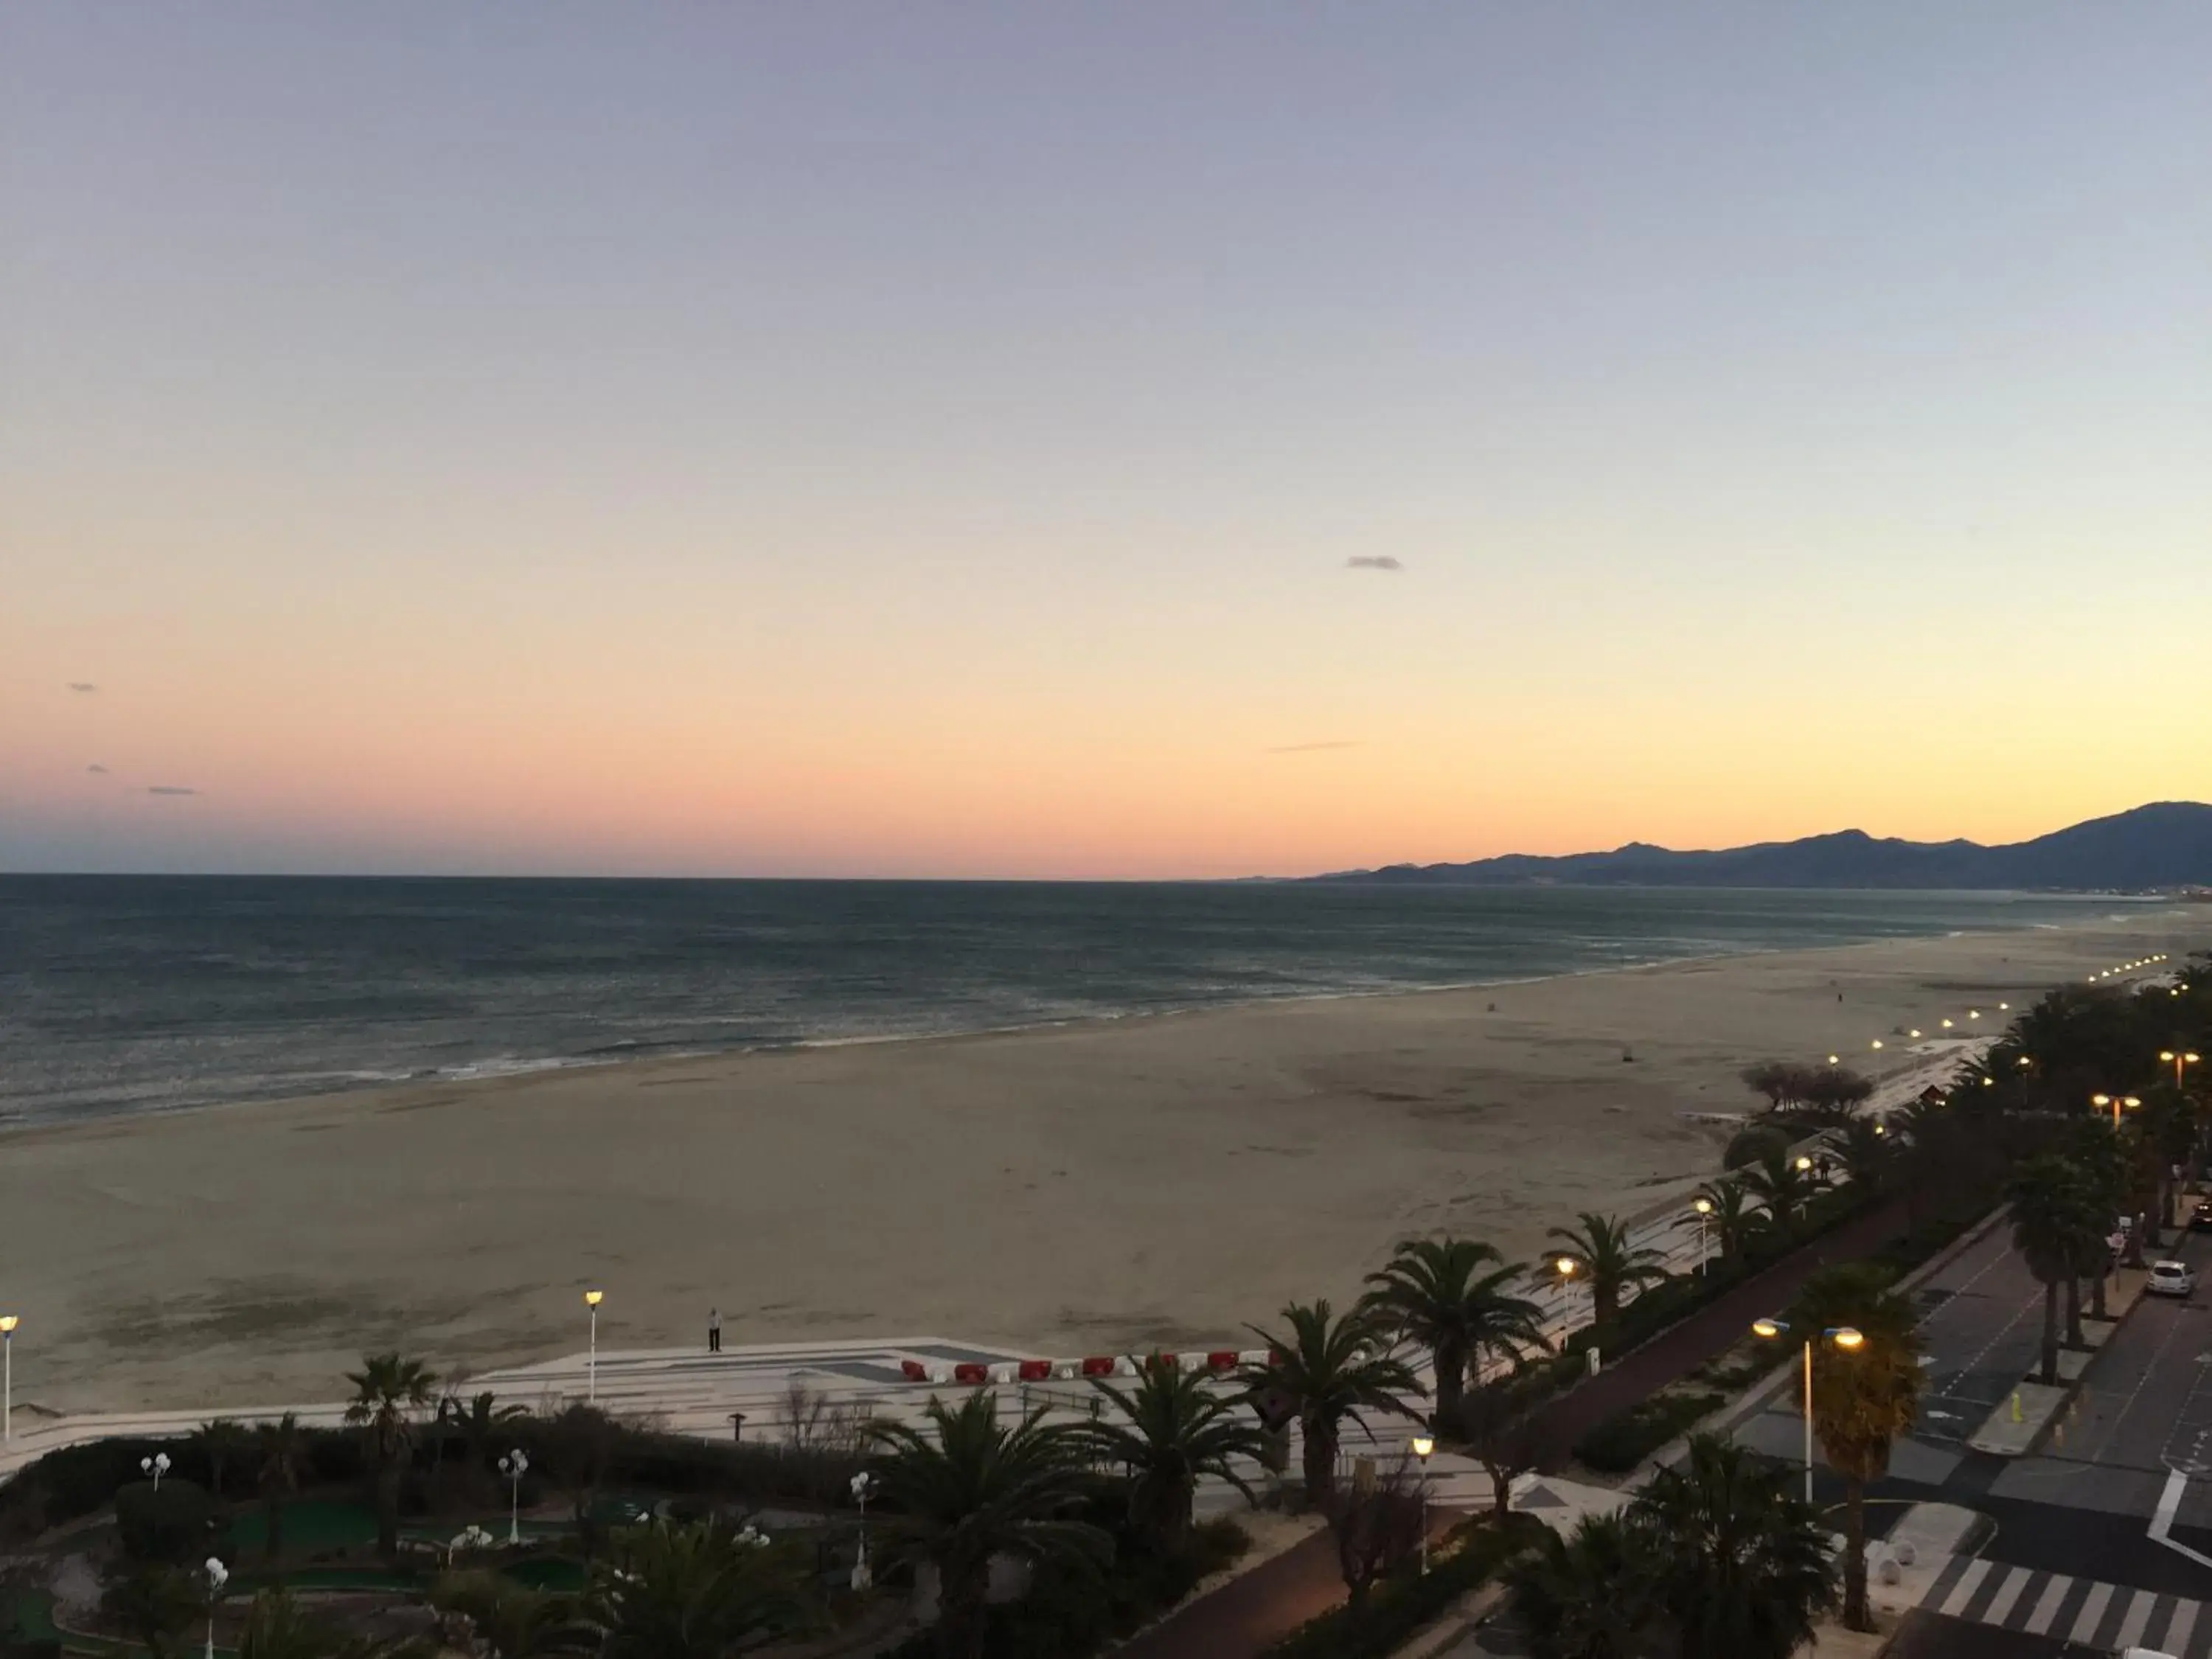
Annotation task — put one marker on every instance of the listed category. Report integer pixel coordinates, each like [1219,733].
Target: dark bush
[1621,1441]
[174,1523]
[1398,1607]
[1752,1143]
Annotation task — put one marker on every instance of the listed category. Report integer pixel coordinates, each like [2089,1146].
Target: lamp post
[592,1300]
[1845,1337]
[217,1576]
[1703,1206]
[2115,1101]
[2177,1060]
[156,1465]
[863,1484]
[514,1466]
[1423,1446]
[7,1323]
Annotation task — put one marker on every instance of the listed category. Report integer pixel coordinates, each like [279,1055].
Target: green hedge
[1626,1438]
[1402,1605]
[174,1523]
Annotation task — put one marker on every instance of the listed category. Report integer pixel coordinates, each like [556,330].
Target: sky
[1150,440]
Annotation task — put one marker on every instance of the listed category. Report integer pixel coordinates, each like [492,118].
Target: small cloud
[82,685]
[1308,748]
[1373,561]
[97,769]
[171,789]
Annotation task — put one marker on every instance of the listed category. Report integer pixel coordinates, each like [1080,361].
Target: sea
[124,994]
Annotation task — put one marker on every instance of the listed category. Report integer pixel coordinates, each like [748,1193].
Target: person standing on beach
[714,1330]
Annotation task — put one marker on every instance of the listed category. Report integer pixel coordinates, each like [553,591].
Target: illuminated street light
[7,1323]
[2178,1061]
[1423,1446]
[1845,1337]
[592,1300]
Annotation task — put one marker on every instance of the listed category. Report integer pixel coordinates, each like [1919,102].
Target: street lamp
[1703,1206]
[863,1484]
[1423,1446]
[592,1300]
[7,1323]
[156,1465]
[1804,1164]
[2115,1101]
[2177,1060]
[217,1576]
[514,1466]
[1845,1337]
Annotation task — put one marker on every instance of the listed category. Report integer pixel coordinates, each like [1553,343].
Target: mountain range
[2167,844]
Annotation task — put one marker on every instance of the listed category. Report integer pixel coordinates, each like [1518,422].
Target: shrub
[173,1523]
[1401,1606]
[1626,1438]
[1752,1143]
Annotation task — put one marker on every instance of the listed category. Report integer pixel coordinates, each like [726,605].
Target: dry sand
[1159,1180]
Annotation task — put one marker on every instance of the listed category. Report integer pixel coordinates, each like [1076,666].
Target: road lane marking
[2161,1523]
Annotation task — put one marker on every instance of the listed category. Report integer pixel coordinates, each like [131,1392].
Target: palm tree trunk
[1320,1466]
[387,1508]
[2074,1311]
[1451,1382]
[1605,1302]
[961,1614]
[2049,1331]
[2097,1287]
[1855,1616]
[1501,1494]
[276,1528]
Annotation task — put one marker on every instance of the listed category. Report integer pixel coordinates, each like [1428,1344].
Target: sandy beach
[1073,1189]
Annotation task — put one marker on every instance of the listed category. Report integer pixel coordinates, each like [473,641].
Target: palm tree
[2168,1121]
[1867,1154]
[224,1440]
[1732,1219]
[1744,1566]
[2102,1164]
[1782,1188]
[1863,1396]
[1591,1596]
[1332,1371]
[2050,1213]
[704,1591]
[1603,1254]
[976,1490]
[281,1447]
[385,1390]
[1172,1431]
[477,1420]
[1433,1291]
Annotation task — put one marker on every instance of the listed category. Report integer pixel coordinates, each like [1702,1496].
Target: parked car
[2170,1278]
[2200,1218]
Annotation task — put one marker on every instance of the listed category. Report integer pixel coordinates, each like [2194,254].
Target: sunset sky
[1139,440]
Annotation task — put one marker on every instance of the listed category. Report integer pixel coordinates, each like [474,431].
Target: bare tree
[1377,1524]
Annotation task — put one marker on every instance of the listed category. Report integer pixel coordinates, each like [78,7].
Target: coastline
[512,1068]
[1111,1181]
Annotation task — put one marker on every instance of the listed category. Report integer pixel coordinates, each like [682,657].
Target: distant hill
[2166,845]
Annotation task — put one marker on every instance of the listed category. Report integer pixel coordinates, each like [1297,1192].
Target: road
[2071,1566]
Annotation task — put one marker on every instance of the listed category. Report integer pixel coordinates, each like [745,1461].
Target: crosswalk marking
[2092,1614]
[2178,1628]
[2139,1615]
[2101,1616]
[1963,1590]
[2046,1606]
[2009,1592]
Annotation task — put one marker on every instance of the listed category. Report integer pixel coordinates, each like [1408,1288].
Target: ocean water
[138,994]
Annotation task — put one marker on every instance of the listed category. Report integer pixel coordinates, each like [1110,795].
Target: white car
[2170,1278]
